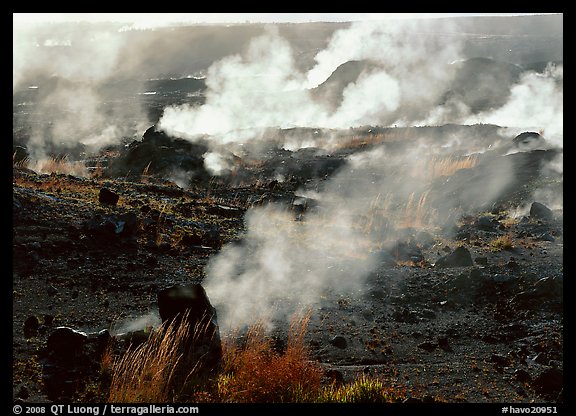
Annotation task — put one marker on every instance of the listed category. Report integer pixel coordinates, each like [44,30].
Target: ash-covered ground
[411,202]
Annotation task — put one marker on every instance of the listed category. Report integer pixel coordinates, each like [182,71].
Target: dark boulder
[225,211]
[486,223]
[406,252]
[540,211]
[334,376]
[106,196]
[189,304]
[550,382]
[65,341]
[428,346]
[160,154]
[528,140]
[460,257]
[110,228]
[31,325]
[339,342]
[69,359]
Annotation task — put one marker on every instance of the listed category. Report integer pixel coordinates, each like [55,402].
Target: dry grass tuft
[255,373]
[55,164]
[447,166]
[365,389]
[504,242]
[250,372]
[144,374]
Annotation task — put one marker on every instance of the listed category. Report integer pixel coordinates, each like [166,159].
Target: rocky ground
[469,313]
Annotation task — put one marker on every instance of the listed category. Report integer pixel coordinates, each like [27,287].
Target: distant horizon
[177,19]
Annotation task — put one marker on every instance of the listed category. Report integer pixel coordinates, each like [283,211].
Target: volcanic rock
[486,223]
[339,342]
[106,196]
[335,376]
[541,212]
[109,228]
[159,153]
[31,326]
[65,341]
[406,251]
[528,140]
[550,382]
[460,257]
[190,303]
[428,346]
[522,375]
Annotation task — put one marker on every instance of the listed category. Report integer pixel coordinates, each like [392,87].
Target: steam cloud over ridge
[264,87]
[281,265]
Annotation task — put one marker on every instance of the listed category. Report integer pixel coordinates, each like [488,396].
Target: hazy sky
[162,19]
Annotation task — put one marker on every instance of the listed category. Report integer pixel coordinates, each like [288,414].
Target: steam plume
[283,264]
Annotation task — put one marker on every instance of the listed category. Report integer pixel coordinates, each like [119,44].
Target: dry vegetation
[54,164]
[504,242]
[144,374]
[252,371]
[447,166]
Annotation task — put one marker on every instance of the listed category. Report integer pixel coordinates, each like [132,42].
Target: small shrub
[504,242]
[255,373]
[364,389]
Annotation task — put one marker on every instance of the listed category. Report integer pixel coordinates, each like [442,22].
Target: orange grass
[447,166]
[251,372]
[255,373]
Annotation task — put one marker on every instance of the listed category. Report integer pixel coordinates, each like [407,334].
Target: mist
[536,103]
[283,265]
[67,68]
[263,87]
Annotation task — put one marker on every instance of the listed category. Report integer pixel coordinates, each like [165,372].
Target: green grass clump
[365,389]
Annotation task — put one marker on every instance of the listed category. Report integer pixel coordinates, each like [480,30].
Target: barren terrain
[410,200]
[487,330]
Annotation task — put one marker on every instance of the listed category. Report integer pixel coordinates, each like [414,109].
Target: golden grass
[416,213]
[250,372]
[61,165]
[144,374]
[504,242]
[447,166]
[146,176]
[359,141]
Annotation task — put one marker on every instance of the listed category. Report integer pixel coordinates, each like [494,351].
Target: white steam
[536,104]
[245,93]
[141,323]
[365,100]
[284,265]
[263,87]
[71,64]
